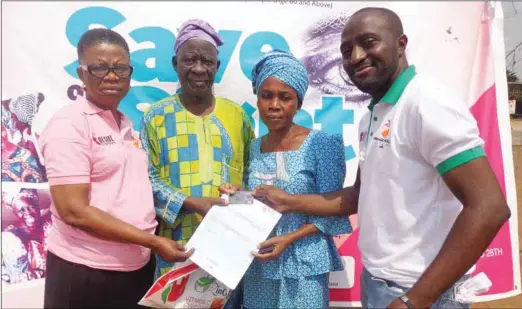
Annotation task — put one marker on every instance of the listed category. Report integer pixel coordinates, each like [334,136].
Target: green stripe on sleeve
[459,159]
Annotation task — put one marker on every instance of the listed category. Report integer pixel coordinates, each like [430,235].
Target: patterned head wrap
[197,29]
[283,66]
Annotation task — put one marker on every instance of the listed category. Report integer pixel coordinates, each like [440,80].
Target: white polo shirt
[417,132]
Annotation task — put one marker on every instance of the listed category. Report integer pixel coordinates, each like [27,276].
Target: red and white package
[186,286]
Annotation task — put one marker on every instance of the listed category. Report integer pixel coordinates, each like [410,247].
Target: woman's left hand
[279,244]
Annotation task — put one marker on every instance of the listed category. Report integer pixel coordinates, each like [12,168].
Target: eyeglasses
[101,70]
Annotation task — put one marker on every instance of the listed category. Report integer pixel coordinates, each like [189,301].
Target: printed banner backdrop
[460,43]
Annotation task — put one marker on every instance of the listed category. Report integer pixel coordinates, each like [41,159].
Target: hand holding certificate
[224,240]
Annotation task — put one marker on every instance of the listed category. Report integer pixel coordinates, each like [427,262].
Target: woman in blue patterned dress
[301,252]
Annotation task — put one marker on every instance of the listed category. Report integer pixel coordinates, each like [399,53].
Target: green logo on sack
[203,283]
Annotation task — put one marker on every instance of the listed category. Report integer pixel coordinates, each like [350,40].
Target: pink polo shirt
[83,144]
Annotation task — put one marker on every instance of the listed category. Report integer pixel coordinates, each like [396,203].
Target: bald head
[373,47]
[385,16]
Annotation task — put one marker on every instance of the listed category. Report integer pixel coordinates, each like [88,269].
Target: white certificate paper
[224,240]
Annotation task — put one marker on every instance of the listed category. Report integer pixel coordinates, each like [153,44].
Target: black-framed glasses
[101,70]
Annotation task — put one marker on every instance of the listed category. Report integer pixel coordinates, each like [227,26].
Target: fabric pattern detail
[191,156]
[318,166]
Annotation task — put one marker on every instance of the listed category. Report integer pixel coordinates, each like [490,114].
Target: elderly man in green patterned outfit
[196,141]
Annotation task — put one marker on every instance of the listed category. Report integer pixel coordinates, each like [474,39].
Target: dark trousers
[71,285]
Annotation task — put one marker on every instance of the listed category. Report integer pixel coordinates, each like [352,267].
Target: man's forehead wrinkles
[199,52]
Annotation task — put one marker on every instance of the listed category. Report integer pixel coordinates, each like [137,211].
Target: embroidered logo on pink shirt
[104,140]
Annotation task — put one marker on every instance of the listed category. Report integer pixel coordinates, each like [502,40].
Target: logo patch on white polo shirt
[383,139]
[362,136]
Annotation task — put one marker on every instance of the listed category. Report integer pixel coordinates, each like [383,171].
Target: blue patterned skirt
[305,292]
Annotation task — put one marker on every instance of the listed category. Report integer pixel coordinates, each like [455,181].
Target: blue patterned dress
[299,278]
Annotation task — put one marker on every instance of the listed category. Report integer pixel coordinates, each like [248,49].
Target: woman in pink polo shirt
[100,241]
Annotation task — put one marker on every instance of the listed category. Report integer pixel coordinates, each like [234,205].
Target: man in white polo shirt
[427,200]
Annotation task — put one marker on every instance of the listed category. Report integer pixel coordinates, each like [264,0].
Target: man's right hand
[273,197]
[169,250]
[229,189]
[203,204]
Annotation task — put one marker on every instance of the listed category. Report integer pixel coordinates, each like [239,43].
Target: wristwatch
[407,301]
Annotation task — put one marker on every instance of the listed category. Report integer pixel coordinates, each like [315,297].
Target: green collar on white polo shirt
[397,88]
